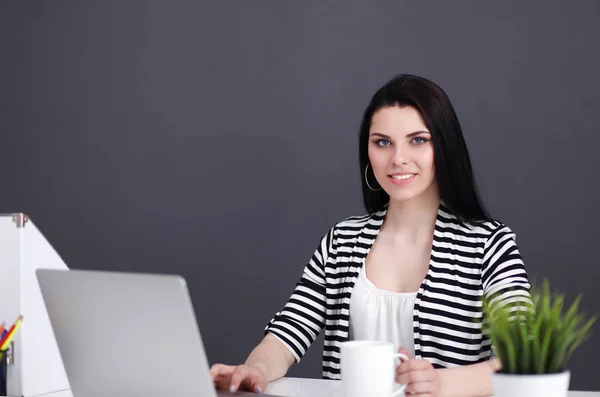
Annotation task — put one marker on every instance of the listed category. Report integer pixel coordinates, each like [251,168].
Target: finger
[239,375]
[402,355]
[413,365]
[222,382]
[416,376]
[419,395]
[219,369]
[405,352]
[420,389]
[257,382]
[254,380]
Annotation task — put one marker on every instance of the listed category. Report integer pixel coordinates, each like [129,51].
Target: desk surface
[301,387]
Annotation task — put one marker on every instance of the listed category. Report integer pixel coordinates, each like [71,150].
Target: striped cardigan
[467,262]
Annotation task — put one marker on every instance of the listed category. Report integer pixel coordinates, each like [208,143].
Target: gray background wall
[218,140]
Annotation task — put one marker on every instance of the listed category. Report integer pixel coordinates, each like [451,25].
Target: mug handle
[402,357]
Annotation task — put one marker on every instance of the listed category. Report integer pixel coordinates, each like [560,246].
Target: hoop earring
[367,179]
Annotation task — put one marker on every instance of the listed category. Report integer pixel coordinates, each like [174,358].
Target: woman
[412,271]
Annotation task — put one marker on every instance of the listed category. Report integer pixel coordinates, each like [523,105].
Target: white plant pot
[546,385]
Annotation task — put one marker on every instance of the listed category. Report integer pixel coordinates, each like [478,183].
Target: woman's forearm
[271,357]
[468,381]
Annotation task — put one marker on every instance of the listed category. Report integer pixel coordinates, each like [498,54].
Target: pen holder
[3,371]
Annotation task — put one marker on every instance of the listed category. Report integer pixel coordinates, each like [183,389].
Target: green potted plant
[534,342]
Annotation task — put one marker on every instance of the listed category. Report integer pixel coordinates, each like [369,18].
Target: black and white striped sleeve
[298,325]
[504,276]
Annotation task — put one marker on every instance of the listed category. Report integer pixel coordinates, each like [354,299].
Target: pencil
[10,334]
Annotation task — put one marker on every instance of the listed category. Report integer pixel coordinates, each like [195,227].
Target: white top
[377,314]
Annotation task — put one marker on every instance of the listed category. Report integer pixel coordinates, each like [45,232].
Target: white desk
[301,387]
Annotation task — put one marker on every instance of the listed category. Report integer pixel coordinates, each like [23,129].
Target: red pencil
[20,318]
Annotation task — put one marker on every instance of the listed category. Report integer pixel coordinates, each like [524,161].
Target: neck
[415,217]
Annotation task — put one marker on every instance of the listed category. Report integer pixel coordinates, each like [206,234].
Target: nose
[400,155]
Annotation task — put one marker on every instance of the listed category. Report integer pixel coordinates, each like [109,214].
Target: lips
[403,178]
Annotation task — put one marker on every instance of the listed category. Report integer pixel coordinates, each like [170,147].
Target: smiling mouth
[402,177]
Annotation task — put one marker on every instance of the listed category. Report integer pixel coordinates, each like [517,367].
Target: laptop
[127,334]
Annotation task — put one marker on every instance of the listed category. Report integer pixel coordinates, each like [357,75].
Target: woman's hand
[419,376]
[239,377]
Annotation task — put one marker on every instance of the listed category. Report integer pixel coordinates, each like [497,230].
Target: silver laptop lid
[125,334]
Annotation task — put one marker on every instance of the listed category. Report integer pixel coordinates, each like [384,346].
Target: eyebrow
[409,135]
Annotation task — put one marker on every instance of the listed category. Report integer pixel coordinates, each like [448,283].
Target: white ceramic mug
[368,369]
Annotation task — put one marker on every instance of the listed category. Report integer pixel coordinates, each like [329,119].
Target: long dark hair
[453,170]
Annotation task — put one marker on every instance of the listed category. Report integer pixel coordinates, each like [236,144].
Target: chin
[400,195]
[403,197]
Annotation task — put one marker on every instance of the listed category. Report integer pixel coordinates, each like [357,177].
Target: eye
[420,140]
[382,142]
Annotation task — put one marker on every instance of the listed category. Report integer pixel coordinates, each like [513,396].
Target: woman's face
[401,152]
